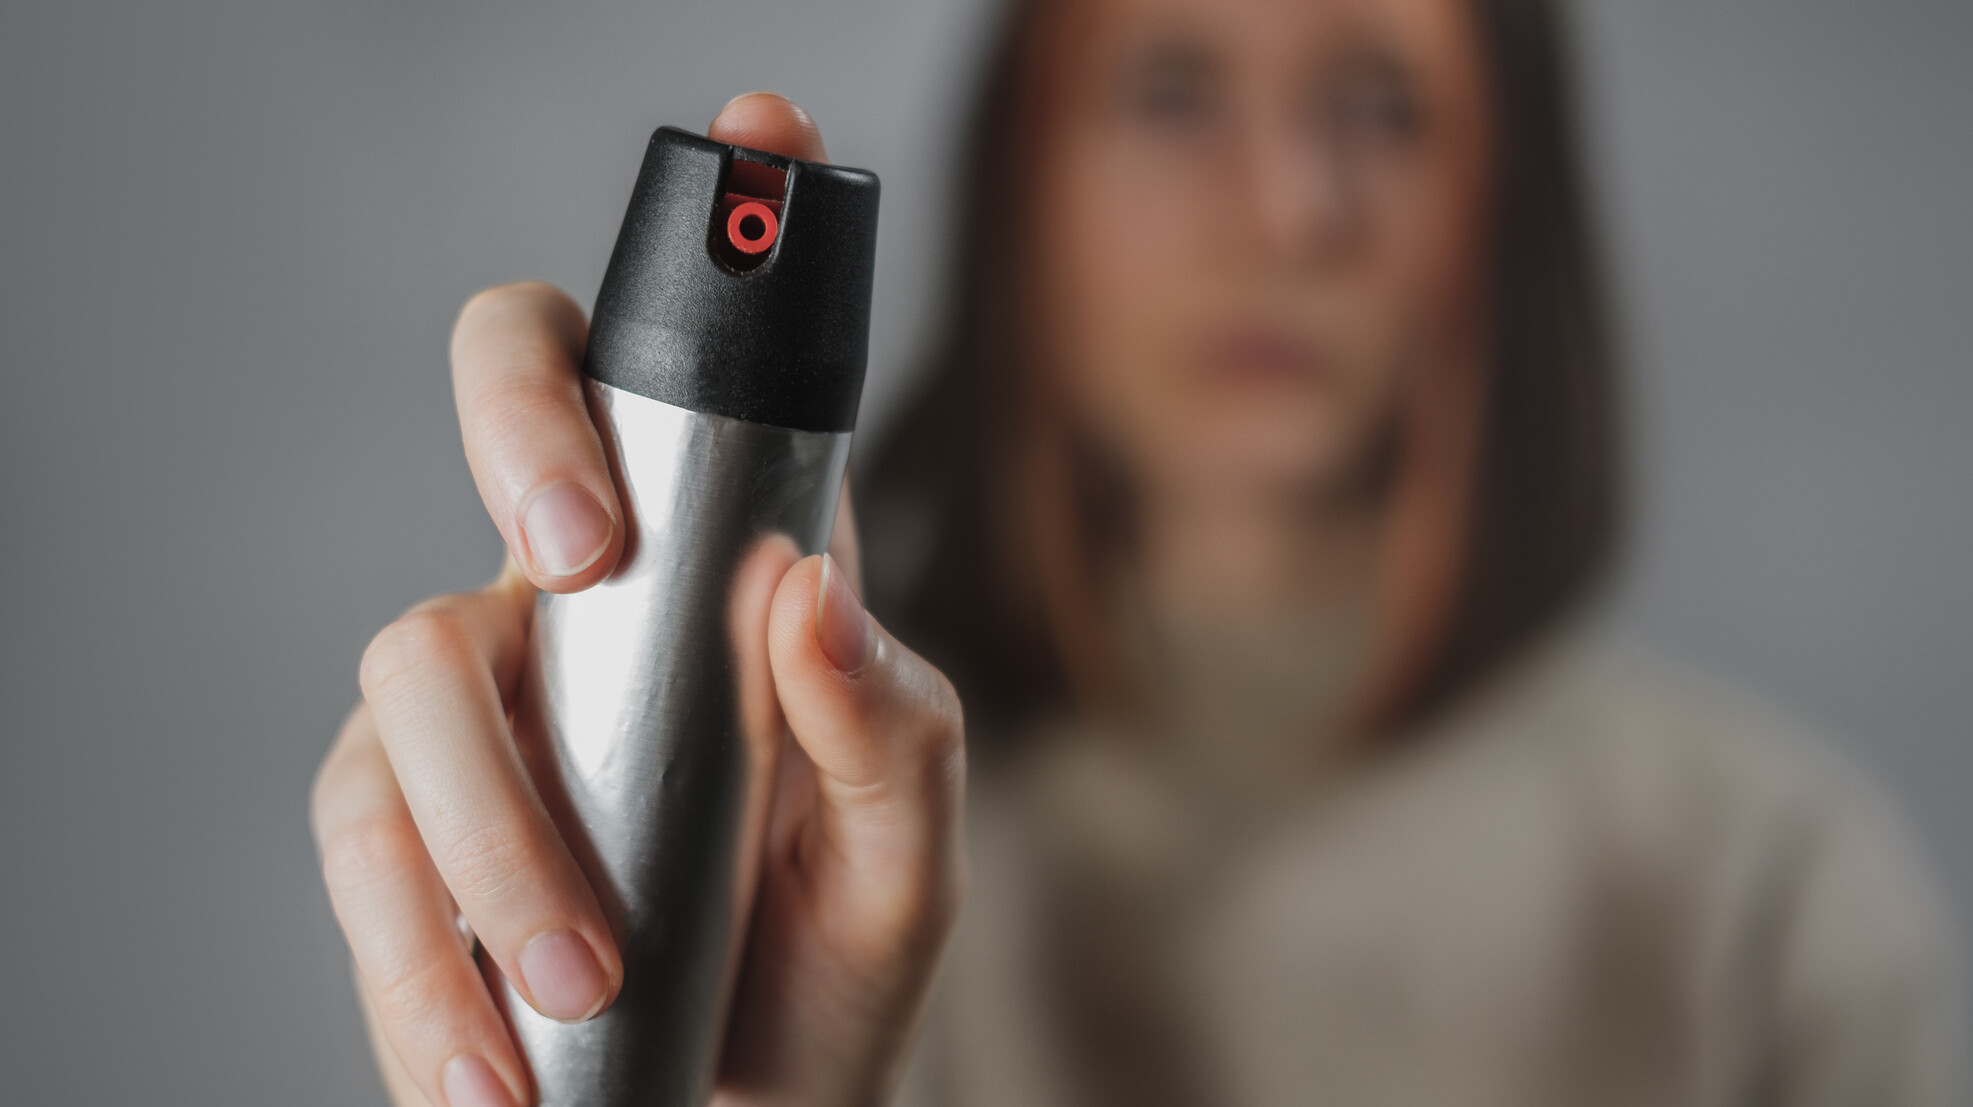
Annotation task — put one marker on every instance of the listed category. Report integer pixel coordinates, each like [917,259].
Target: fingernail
[566,530]
[842,627]
[470,1082]
[563,977]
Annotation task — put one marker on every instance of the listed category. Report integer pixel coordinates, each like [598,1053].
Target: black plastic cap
[783,343]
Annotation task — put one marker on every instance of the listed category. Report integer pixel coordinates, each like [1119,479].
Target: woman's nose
[1294,194]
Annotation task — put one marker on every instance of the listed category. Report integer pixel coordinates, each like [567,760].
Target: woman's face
[1256,220]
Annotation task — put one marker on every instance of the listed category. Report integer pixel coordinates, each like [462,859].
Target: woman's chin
[1248,467]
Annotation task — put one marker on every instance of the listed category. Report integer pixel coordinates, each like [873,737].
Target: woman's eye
[1371,100]
[1174,103]
[1174,89]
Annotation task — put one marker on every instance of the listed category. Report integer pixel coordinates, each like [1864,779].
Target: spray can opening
[751,227]
[748,219]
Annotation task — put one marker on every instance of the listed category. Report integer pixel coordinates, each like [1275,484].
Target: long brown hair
[992,525]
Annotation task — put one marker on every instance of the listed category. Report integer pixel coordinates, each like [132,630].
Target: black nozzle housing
[783,343]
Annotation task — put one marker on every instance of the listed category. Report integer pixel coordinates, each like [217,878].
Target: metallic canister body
[642,720]
[724,367]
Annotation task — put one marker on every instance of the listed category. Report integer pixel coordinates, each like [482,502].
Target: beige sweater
[1602,881]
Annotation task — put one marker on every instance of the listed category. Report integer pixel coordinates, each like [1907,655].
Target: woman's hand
[425,815]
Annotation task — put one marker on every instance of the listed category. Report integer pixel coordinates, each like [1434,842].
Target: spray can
[724,366]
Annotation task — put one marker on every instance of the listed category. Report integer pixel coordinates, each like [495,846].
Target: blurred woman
[1269,455]
[1267,460]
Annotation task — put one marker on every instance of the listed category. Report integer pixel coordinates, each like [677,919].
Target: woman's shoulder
[1663,754]
[1665,740]
[1729,802]
[1788,869]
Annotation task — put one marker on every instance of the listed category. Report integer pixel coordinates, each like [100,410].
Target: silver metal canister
[724,366]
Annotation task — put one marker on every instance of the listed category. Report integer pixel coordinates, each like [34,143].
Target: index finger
[769,121]
[516,372]
[534,452]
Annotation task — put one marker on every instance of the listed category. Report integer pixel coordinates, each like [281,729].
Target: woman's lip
[1262,355]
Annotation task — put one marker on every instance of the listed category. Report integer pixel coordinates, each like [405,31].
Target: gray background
[232,237]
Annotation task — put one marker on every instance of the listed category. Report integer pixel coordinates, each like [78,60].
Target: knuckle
[524,401]
[912,916]
[489,862]
[367,849]
[414,993]
[425,636]
[943,737]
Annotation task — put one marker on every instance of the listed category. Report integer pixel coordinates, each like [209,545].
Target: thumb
[884,731]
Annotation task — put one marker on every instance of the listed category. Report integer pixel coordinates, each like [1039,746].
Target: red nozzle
[751,227]
[747,221]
